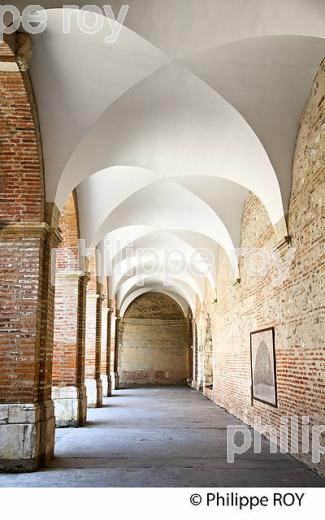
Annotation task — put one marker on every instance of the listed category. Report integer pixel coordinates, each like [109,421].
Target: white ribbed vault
[164,132]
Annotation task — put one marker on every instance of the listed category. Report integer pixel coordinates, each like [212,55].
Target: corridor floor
[159,437]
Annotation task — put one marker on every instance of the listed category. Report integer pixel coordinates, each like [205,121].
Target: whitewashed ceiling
[165,131]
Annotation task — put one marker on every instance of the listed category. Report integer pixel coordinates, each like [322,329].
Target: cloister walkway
[159,437]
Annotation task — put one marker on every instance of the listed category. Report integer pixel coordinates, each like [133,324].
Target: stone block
[4,413]
[23,414]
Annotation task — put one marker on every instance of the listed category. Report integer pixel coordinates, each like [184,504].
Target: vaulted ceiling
[164,132]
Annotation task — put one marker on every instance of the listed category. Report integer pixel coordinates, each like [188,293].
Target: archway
[153,342]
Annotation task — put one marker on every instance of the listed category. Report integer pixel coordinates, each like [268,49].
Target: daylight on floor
[162,293]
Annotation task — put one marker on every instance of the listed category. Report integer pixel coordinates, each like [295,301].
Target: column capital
[84,278]
[283,246]
[23,50]
[30,230]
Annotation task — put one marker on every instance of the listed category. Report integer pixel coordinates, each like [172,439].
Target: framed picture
[263,366]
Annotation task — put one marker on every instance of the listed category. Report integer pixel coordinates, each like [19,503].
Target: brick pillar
[110,311]
[68,390]
[194,354]
[116,350]
[26,293]
[104,345]
[189,351]
[53,239]
[26,411]
[93,342]
[98,353]
[81,329]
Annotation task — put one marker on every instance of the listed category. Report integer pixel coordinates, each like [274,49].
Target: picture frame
[263,366]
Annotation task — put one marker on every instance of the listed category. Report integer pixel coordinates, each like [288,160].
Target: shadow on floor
[160,437]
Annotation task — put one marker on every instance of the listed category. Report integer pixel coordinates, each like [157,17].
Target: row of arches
[143,148]
[158,147]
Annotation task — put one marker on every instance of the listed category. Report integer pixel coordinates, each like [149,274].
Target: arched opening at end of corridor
[153,343]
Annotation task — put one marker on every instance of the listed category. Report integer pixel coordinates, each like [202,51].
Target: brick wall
[153,342]
[93,339]
[295,307]
[21,168]
[22,235]
[28,231]
[66,299]
[20,286]
[91,321]
[104,360]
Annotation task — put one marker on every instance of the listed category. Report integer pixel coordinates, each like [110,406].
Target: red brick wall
[295,308]
[20,286]
[112,349]
[103,364]
[65,367]
[91,310]
[21,169]
[21,245]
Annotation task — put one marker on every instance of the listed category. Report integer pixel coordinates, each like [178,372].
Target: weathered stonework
[19,437]
[70,406]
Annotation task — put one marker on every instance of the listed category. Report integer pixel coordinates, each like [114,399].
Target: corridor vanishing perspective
[160,437]
[162,169]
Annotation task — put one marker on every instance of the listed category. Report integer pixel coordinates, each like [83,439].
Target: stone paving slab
[160,437]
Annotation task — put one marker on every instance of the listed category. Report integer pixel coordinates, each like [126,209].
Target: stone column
[26,410]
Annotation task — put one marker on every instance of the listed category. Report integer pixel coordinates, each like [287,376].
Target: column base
[26,436]
[109,386]
[94,393]
[47,431]
[70,404]
[104,382]
[114,380]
